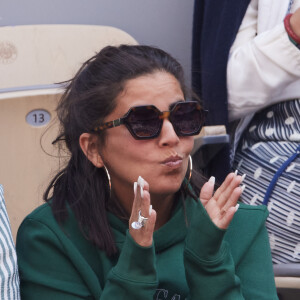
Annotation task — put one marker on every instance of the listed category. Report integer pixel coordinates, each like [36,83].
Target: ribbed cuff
[136,263]
[204,239]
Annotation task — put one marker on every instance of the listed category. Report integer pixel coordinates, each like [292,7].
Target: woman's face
[161,161]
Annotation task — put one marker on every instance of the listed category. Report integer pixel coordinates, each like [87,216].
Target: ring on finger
[142,219]
[141,222]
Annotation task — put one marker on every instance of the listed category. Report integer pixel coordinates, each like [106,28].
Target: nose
[168,136]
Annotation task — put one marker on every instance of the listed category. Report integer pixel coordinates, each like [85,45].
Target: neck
[163,205]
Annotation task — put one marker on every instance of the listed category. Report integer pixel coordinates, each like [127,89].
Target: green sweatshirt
[188,260]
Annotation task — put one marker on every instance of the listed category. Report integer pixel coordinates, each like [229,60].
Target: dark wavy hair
[88,98]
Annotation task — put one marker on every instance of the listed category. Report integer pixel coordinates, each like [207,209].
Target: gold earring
[108,177]
[190,171]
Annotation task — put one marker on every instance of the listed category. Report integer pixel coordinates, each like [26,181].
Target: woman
[123,221]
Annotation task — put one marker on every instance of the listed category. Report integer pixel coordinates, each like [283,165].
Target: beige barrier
[288,282]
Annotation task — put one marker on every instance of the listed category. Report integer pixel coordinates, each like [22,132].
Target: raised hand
[142,233]
[222,205]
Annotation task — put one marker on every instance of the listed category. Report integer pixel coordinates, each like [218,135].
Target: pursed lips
[173,161]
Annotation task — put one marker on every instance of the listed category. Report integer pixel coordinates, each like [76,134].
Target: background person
[9,276]
[256,77]
[269,147]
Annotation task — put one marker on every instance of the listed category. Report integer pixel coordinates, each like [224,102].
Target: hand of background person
[144,235]
[295,22]
[221,205]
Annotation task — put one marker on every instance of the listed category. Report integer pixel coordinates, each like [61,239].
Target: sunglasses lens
[187,118]
[144,121]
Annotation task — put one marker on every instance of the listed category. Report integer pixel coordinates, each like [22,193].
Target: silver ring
[141,222]
[142,219]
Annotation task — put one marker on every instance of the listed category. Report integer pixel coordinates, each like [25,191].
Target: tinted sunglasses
[145,122]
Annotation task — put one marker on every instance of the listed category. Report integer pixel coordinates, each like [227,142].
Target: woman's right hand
[295,22]
[222,204]
[141,202]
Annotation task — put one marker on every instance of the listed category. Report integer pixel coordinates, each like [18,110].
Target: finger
[227,217]
[227,193]
[136,202]
[224,185]
[231,181]
[234,197]
[207,191]
[145,205]
[139,186]
[141,204]
[148,230]
[143,190]
[146,185]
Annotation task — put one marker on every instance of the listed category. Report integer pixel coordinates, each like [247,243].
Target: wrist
[295,23]
[204,238]
[291,28]
[135,262]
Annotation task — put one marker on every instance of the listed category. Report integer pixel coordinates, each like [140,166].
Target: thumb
[207,191]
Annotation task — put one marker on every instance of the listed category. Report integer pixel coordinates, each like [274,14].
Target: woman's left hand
[141,203]
[222,205]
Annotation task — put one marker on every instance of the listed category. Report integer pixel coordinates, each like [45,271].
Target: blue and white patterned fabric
[9,277]
[269,151]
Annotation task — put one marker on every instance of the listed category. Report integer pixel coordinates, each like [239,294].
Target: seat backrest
[25,166]
[46,54]
[287,279]
[32,58]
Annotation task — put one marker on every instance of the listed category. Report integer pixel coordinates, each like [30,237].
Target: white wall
[163,23]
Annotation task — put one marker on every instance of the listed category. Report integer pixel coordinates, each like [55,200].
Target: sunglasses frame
[161,115]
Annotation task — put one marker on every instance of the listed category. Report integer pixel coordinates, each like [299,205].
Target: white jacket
[263,66]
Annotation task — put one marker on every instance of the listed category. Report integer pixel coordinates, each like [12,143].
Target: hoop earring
[190,171]
[108,177]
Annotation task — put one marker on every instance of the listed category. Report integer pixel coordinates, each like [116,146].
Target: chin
[169,187]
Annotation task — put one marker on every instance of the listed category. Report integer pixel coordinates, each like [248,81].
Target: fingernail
[134,188]
[141,181]
[150,210]
[243,177]
[235,172]
[237,207]
[243,188]
[212,179]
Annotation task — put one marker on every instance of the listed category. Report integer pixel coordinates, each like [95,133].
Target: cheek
[123,151]
[187,144]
